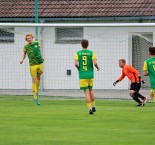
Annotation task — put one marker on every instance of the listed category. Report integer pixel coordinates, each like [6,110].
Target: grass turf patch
[67,122]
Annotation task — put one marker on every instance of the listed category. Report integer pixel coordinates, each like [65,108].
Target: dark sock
[139,95]
[136,98]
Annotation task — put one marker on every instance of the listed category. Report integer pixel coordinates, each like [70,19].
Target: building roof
[77,8]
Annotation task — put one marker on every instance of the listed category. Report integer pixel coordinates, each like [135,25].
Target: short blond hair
[30,34]
[122,60]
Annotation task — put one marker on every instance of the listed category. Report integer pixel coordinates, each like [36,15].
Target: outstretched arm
[114,84]
[23,57]
[121,78]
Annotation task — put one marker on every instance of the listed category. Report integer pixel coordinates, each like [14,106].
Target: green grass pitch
[67,122]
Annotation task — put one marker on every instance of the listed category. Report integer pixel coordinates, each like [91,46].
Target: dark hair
[84,43]
[152,50]
[122,60]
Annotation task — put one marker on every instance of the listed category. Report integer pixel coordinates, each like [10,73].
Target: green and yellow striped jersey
[33,52]
[85,58]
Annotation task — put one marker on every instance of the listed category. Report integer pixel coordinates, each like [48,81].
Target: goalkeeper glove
[143,81]
[114,84]
[140,80]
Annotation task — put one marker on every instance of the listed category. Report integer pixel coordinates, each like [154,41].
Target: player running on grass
[135,79]
[84,60]
[149,70]
[32,49]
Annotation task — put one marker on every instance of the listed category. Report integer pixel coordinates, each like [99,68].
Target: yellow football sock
[38,84]
[93,103]
[34,89]
[89,105]
[154,98]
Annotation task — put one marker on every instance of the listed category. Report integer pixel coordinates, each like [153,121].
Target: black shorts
[135,86]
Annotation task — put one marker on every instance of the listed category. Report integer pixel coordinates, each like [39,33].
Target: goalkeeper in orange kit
[135,79]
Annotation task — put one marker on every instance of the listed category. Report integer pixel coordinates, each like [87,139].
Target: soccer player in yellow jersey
[149,70]
[84,61]
[32,49]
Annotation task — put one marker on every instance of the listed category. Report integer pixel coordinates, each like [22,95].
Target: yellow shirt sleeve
[93,56]
[38,45]
[24,49]
[145,66]
[76,57]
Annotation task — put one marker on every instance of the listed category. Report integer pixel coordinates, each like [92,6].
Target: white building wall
[109,43]
[12,75]
[58,58]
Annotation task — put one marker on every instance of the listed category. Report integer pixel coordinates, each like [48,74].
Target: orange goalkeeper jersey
[130,72]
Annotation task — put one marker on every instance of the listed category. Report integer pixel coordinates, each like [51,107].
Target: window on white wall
[6,35]
[68,35]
